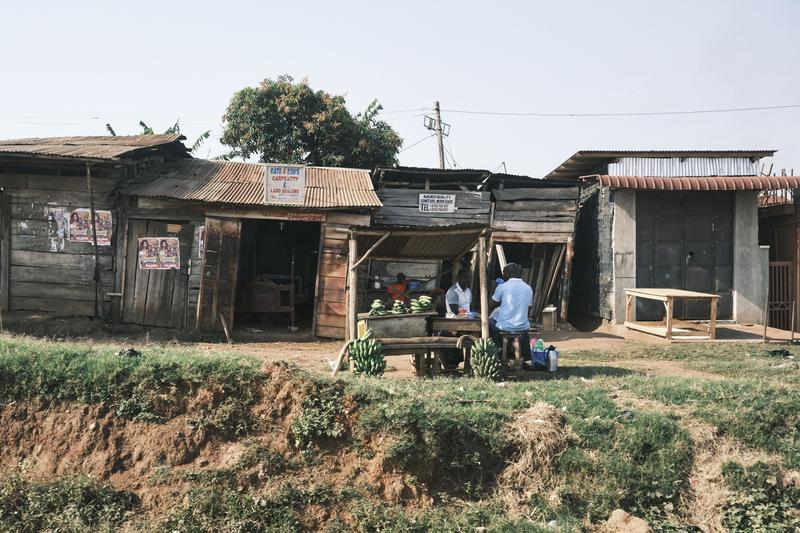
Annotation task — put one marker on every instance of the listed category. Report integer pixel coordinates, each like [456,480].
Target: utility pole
[438,125]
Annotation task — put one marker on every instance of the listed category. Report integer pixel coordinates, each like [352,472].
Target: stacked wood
[401,208]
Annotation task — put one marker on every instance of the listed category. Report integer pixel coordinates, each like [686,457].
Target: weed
[70,503]
[760,500]
[321,417]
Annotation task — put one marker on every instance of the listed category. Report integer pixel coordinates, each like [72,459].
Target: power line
[416,143]
[449,151]
[633,114]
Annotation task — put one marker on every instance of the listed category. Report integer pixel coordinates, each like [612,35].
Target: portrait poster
[79,228]
[159,253]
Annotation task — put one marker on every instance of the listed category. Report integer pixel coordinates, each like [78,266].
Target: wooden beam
[352,288]
[501,256]
[371,249]
[565,279]
[422,232]
[483,287]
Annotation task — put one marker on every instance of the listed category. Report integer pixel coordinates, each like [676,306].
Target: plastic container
[538,354]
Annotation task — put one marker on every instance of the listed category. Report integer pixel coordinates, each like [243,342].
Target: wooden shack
[529,221]
[244,259]
[533,224]
[49,188]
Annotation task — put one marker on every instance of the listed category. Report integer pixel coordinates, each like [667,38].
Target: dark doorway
[277,272]
[684,240]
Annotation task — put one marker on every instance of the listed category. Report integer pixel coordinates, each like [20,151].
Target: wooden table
[455,325]
[668,296]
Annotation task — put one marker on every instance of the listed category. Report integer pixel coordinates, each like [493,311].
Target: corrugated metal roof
[710,183]
[230,182]
[419,175]
[97,147]
[596,161]
[419,244]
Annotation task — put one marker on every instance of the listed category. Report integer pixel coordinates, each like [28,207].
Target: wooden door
[156,297]
[330,318]
[219,274]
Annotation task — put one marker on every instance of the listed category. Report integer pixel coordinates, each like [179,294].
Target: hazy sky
[67,68]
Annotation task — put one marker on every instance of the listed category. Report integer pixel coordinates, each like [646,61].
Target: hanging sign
[285,184]
[431,202]
[80,226]
[159,253]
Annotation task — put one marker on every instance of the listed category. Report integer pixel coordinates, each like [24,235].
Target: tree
[286,122]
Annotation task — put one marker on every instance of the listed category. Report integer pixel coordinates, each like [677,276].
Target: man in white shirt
[513,300]
[458,299]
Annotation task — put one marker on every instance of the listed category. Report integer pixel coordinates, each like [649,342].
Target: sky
[68,68]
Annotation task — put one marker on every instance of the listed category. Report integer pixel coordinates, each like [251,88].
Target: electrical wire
[632,114]
[416,143]
[448,150]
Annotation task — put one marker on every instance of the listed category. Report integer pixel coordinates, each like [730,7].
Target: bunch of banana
[366,355]
[377,309]
[422,304]
[398,308]
[485,363]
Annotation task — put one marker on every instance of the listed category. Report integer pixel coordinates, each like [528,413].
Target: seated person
[459,296]
[397,290]
[512,300]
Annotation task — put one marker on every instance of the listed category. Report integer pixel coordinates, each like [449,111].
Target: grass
[151,387]
[70,503]
[449,435]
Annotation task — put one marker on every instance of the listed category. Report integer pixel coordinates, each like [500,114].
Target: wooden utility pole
[438,129]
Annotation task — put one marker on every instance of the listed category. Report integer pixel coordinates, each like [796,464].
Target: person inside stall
[511,302]
[459,296]
[397,290]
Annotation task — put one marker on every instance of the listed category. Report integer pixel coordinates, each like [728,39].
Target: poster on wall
[284,184]
[159,253]
[80,226]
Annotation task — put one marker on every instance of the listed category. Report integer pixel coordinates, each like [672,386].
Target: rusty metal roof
[708,183]
[230,182]
[106,147]
[585,162]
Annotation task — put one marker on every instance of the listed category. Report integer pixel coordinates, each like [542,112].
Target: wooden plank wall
[535,214]
[46,272]
[331,306]
[401,208]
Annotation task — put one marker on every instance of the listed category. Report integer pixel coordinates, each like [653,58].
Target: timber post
[352,287]
[98,287]
[483,287]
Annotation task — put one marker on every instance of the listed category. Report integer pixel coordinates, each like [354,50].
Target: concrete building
[669,219]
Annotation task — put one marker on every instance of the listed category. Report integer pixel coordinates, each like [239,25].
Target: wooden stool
[516,339]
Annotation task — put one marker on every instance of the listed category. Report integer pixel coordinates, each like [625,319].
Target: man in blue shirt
[512,300]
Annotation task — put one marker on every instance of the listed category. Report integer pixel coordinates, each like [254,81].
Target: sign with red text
[285,184]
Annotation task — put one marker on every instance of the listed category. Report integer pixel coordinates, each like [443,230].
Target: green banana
[485,361]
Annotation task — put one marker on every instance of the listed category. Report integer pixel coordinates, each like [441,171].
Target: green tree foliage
[287,122]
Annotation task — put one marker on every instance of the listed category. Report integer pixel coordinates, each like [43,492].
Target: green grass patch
[760,499]
[152,387]
[759,414]
[71,503]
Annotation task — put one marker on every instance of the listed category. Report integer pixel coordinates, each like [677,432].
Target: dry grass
[538,434]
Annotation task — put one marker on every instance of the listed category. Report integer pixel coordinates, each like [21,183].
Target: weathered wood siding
[46,273]
[536,215]
[219,276]
[331,304]
[401,208]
